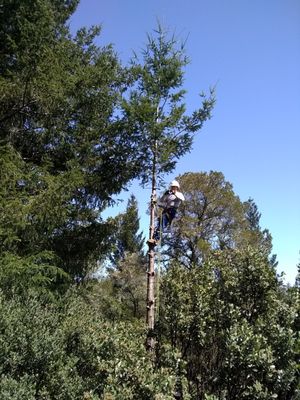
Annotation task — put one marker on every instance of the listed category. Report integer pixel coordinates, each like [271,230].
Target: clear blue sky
[251,51]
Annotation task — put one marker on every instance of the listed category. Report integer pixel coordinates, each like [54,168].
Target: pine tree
[127,238]
[55,136]
[254,235]
[65,147]
[156,115]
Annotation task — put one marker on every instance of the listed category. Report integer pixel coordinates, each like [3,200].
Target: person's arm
[180,196]
[163,199]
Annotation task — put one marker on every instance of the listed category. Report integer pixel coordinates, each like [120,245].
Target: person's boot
[152,241]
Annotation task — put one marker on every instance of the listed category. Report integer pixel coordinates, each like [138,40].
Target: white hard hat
[175,183]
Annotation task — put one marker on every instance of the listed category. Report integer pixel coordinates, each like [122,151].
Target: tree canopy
[76,127]
[155,109]
[213,217]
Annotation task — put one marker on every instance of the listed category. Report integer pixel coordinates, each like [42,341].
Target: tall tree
[127,238]
[213,217]
[254,235]
[126,274]
[156,112]
[65,148]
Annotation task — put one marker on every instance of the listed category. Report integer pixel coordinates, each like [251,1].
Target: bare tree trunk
[151,270]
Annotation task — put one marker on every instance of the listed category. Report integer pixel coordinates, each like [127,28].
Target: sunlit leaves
[233,325]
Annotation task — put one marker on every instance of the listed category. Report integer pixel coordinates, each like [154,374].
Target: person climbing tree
[169,202]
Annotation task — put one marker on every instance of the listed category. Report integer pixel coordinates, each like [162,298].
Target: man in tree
[213,217]
[156,117]
[169,202]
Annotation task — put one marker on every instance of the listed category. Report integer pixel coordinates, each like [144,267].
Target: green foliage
[294,299]
[38,273]
[127,237]
[129,282]
[17,389]
[233,325]
[155,109]
[213,217]
[32,351]
[75,128]
[120,294]
[70,352]
[254,235]
[64,147]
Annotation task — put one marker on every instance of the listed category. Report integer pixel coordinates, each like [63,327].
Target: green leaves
[38,273]
[64,150]
[69,352]
[127,238]
[155,110]
[231,321]
[75,128]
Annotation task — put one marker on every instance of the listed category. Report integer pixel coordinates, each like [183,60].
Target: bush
[69,351]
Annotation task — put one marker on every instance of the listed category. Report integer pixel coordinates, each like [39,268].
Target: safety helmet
[175,183]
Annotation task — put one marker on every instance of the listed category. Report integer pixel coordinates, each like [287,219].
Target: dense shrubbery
[218,335]
[68,351]
[233,324]
[72,136]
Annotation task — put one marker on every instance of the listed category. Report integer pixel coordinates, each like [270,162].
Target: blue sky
[249,50]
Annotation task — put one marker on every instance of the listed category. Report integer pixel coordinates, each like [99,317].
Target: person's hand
[179,195]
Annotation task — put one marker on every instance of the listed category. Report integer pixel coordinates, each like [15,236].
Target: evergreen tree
[65,149]
[254,235]
[157,118]
[253,215]
[297,280]
[126,282]
[127,238]
[155,108]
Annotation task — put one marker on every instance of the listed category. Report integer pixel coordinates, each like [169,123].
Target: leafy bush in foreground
[69,352]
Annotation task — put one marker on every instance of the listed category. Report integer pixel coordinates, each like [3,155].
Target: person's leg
[171,215]
[162,223]
[165,220]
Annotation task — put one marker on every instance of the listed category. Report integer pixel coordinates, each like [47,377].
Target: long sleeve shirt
[170,199]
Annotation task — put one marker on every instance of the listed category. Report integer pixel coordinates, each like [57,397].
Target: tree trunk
[151,270]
